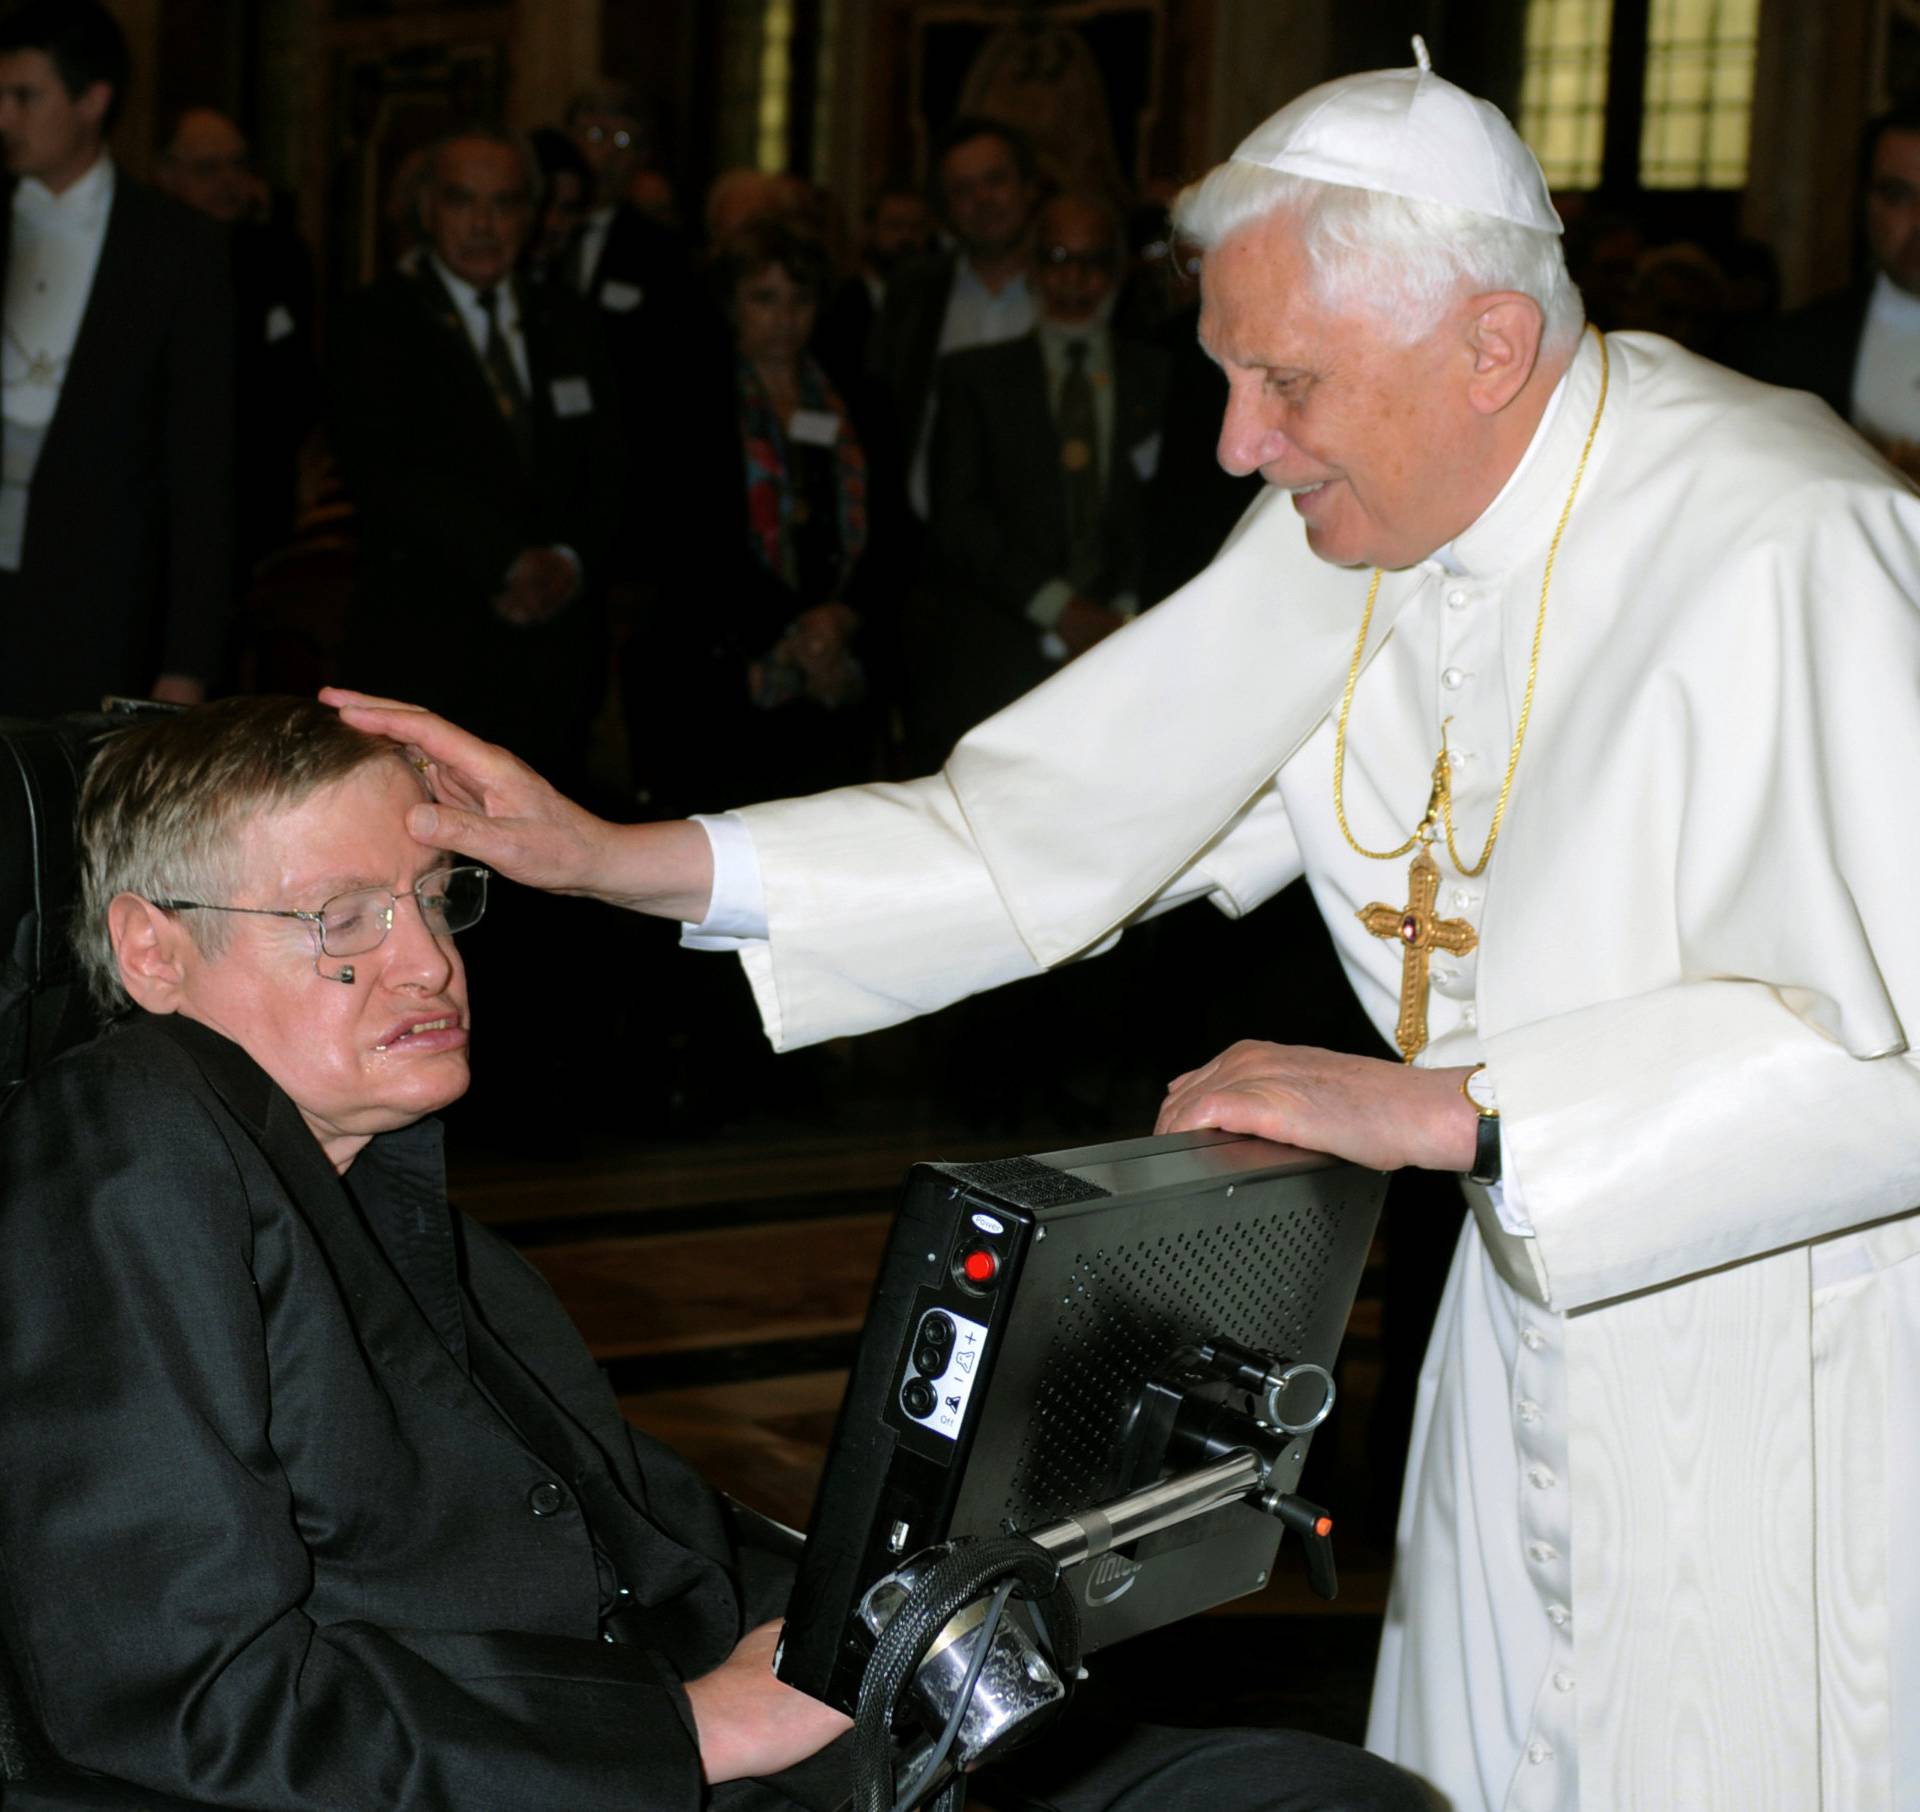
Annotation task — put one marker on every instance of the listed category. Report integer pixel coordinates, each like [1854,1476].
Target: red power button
[979,1266]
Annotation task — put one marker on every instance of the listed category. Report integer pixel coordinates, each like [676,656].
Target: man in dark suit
[985,190]
[1042,448]
[116,488]
[314,1500]
[204,161]
[1858,349]
[371,1530]
[472,416]
[637,276]
[895,232]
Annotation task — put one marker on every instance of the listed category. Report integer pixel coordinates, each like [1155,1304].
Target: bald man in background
[205,161]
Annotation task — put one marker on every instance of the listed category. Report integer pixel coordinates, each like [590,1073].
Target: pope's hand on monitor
[489,805]
[751,1724]
[1383,1115]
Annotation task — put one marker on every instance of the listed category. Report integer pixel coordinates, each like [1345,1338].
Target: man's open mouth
[400,1035]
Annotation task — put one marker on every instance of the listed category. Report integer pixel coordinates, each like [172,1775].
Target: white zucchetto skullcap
[1406,132]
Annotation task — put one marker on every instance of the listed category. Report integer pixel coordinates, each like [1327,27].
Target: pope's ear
[1504,337]
[147,946]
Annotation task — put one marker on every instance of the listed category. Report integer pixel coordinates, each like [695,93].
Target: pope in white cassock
[1580,679]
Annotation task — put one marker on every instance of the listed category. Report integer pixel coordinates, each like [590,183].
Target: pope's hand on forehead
[487,803]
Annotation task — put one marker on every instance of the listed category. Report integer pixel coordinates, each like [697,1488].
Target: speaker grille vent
[1255,1280]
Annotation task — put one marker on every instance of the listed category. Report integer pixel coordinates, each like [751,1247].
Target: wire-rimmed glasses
[352,924]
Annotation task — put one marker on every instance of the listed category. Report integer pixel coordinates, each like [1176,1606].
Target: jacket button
[546,1498]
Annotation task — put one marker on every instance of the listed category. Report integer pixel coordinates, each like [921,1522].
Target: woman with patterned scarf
[768,670]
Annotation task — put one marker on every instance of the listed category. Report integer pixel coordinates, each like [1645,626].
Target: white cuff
[1507,1207]
[737,906]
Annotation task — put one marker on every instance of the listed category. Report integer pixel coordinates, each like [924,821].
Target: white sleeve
[1753,1132]
[737,906]
[880,906]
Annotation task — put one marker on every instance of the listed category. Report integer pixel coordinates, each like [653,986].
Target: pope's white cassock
[1662,1539]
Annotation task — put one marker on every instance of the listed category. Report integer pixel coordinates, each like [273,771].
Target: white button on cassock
[1559,1616]
[1454,678]
[1532,1339]
[1539,1752]
[1457,598]
[1541,1478]
[1543,1551]
[1527,1410]
[1563,1681]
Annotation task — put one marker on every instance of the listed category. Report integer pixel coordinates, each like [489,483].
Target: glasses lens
[452,899]
[351,924]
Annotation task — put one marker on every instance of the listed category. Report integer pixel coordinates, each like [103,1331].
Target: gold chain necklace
[1417,927]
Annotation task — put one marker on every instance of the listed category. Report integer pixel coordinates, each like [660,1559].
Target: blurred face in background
[1076,260]
[207,166]
[901,228]
[1893,207]
[610,142]
[988,201]
[45,131]
[772,317]
[475,209]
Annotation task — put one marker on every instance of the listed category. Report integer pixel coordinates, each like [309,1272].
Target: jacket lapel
[391,1324]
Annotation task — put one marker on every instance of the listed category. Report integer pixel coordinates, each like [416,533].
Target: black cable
[961,1573]
[982,1647]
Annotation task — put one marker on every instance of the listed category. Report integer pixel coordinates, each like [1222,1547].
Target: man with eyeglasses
[313,1498]
[1042,447]
[636,274]
[203,160]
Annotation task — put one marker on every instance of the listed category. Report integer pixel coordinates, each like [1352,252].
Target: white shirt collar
[1892,306]
[467,298]
[81,206]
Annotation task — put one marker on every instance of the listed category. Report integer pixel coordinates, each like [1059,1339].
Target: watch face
[1478,1089]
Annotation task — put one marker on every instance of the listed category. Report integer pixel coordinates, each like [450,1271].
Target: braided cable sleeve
[965,1571]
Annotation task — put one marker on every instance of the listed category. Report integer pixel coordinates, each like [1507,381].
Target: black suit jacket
[906,341]
[1813,348]
[998,529]
[313,1497]
[127,569]
[278,379]
[663,334]
[446,502]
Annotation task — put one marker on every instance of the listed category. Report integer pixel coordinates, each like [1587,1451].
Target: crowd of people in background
[688,505]
[696,505]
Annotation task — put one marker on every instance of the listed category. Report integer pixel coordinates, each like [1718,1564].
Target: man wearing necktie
[1041,449]
[474,417]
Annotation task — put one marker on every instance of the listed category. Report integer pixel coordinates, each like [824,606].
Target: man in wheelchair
[310,1495]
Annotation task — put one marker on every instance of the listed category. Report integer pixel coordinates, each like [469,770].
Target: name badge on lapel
[572,396]
[620,298]
[279,322]
[813,427]
[1146,457]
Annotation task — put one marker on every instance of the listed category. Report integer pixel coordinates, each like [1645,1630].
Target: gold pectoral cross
[1420,934]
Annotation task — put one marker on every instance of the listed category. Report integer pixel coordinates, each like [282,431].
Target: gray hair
[486,132]
[1402,260]
[165,805]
